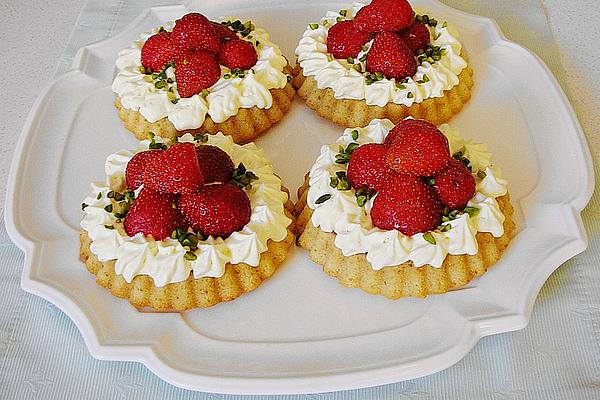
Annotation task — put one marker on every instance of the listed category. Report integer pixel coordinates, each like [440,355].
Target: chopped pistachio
[363,195]
[445,228]
[472,211]
[345,152]
[323,199]
[429,238]
[351,147]
[313,26]
[201,138]
[242,178]
[333,182]
[154,144]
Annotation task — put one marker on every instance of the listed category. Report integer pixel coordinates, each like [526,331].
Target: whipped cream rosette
[462,246]
[349,92]
[209,269]
[241,102]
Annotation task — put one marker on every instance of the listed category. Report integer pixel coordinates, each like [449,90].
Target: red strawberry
[415,36]
[384,15]
[418,148]
[195,32]
[158,50]
[216,210]
[238,54]
[215,164]
[390,56]
[367,167]
[405,125]
[196,71]
[134,173]
[153,213]
[343,40]
[223,32]
[406,204]
[175,171]
[455,185]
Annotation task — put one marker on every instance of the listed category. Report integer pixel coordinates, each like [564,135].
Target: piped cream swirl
[354,229]
[164,260]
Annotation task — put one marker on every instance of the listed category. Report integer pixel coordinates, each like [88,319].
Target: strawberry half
[157,51]
[455,185]
[238,54]
[196,71]
[390,56]
[134,172]
[367,167]
[344,40]
[195,32]
[217,210]
[153,213]
[175,171]
[215,164]
[416,36]
[418,148]
[406,204]
[384,15]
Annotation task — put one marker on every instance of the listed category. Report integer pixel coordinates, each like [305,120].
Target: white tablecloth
[557,356]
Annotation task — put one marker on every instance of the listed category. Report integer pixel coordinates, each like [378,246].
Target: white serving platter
[301,331]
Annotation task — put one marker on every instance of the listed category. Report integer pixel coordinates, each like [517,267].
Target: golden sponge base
[191,293]
[404,280]
[346,112]
[243,127]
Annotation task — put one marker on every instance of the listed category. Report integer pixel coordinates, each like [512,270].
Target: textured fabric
[42,354]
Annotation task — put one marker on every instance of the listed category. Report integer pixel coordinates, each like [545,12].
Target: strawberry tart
[196,75]
[188,225]
[405,210]
[382,60]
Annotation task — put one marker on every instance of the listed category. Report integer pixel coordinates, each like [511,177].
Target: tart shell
[347,112]
[243,127]
[191,293]
[404,280]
